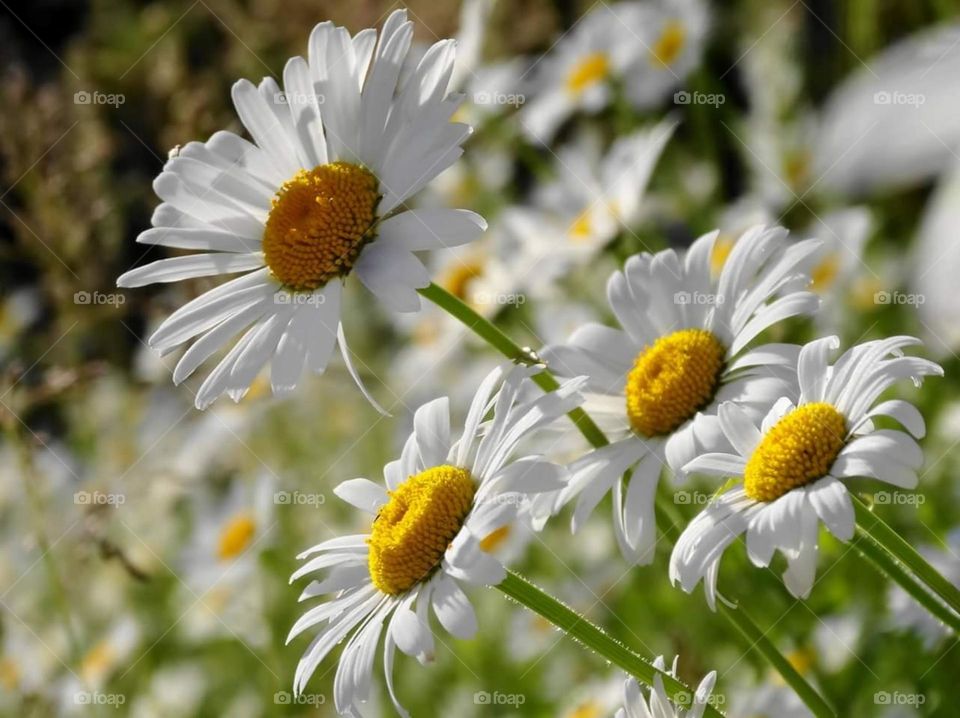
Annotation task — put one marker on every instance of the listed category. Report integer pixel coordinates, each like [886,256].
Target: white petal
[363,494]
[453,609]
[190,267]
[431,228]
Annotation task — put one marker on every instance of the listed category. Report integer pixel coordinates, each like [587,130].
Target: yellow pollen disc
[415,527]
[593,68]
[670,44]
[97,660]
[796,168]
[458,278]
[721,250]
[581,227]
[589,709]
[798,449]
[825,273]
[236,536]
[319,221]
[495,539]
[9,674]
[672,379]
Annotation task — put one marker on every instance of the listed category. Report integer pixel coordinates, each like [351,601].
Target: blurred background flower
[146,546]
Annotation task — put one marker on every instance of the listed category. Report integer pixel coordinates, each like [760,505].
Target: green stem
[895,572]
[898,548]
[490,333]
[667,514]
[594,637]
[757,640]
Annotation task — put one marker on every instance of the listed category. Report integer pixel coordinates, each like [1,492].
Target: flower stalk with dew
[877,531]
[491,334]
[593,637]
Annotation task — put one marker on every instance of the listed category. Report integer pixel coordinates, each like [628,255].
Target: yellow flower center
[495,539]
[721,250]
[588,709]
[97,661]
[798,449]
[796,167]
[9,674]
[673,379]
[592,68]
[669,45]
[458,278]
[581,227]
[414,528]
[319,221]
[236,536]
[825,272]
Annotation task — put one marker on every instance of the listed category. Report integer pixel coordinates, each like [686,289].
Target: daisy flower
[596,195]
[442,498]
[317,196]
[659,704]
[671,35]
[796,464]
[576,76]
[685,347]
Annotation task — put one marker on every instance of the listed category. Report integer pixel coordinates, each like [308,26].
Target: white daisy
[442,498]
[796,464]
[597,195]
[684,348]
[671,35]
[318,195]
[885,127]
[659,704]
[576,75]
